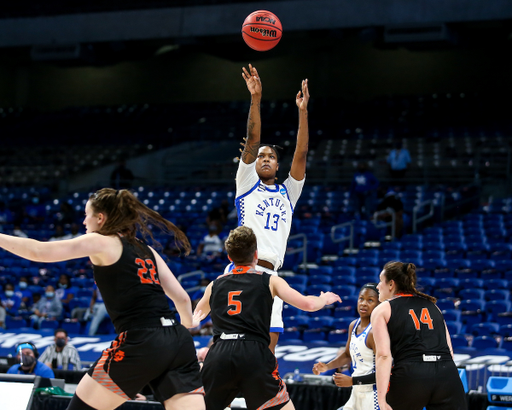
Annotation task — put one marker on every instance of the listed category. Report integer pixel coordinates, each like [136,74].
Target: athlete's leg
[97,396]
[288,406]
[187,401]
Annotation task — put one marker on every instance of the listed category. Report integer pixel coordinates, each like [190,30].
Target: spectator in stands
[65,291]
[27,355]
[121,177]
[17,231]
[35,212]
[23,293]
[6,216]
[211,246]
[363,190]
[49,307]
[66,215]
[218,216]
[10,301]
[389,202]
[59,234]
[75,232]
[398,160]
[97,310]
[61,354]
[2,317]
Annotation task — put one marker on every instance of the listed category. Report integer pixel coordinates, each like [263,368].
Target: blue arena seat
[497,294]
[484,342]
[319,279]
[458,263]
[494,307]
[289,310]
[471,293]
[459,341]
[452,314]
[344,290]
[345,311]
[300,321]
[485,329]
[454,327]
[506,330]
[496,284]
[289,335]
[337,337]
[313,335]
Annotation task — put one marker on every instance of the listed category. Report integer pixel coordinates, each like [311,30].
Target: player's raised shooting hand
[252,80]
[302,98]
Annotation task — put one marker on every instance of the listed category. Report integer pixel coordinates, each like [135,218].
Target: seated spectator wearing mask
[61,354]
[211,246]
[27,355]
[10,301]
[23,293]
[48,307]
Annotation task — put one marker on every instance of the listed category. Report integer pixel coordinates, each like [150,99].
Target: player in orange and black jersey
[151,347]
[240,303]
[409,330]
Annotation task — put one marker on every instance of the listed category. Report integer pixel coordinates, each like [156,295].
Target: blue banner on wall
[480,364]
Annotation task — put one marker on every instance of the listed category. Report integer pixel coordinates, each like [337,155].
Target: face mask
[60,342]
[9,293]
[23,285]
[63,285]
[49,295]
[27,361]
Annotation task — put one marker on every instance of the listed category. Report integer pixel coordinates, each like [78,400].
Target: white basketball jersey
[267,210]
[363,358]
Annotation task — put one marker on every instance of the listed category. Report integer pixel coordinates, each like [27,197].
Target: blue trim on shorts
[277,329]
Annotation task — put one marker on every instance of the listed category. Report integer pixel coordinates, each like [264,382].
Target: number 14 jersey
[416,328]
[267,210]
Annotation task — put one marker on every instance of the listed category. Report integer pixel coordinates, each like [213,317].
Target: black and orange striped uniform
[240,360]
[423,374]
[151,347]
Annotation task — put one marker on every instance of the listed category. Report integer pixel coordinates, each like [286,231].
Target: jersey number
[147,275]
[237,305]
[424,318]
[272,224]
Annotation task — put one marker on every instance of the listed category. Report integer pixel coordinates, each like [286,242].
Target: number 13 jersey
[267,210]
[241,303]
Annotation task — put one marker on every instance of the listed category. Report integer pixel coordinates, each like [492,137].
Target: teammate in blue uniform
[264,206]
[410,333]
[151,347]
[360,351]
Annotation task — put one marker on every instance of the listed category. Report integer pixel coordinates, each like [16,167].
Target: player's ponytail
[404,276]
[125,214]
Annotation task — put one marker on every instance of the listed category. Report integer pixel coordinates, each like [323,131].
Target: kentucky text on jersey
[274,204]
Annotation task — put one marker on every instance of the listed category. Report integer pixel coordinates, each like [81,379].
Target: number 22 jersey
[131,290]
[267,210]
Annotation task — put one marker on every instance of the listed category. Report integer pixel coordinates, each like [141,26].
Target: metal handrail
[349,237]
[381,224]
[416,209]
[188,274]
[303,248]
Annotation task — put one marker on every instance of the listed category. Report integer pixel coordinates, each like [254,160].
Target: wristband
[366,379]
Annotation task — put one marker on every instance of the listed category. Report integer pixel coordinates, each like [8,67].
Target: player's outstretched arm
[204,304]
[88,245]
[279,287]
[298,169]
[252,142]
[383,359]
[174,291]
[342,359]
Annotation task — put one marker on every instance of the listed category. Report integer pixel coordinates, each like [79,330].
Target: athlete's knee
[78,404]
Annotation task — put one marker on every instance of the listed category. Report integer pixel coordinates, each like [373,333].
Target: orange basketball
[262,30]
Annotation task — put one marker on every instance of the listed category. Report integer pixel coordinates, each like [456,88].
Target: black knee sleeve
[78,404]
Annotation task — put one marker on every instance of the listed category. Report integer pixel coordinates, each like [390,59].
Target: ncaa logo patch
[282,191]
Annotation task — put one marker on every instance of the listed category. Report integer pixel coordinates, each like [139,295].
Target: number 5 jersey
[241,304]
[267,210]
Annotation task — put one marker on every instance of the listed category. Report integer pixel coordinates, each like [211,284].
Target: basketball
[262,30]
